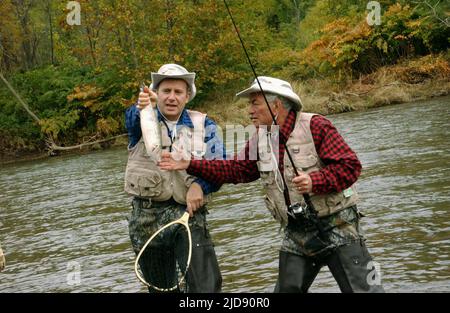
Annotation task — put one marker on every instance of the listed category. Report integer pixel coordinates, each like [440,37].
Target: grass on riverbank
[411,80]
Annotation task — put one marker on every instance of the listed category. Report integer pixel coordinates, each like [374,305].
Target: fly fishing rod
[294,208]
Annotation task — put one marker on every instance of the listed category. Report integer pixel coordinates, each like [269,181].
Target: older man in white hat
[328,233]
[160,197]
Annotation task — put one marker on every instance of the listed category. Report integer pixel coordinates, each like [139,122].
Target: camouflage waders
[342,249]
[146,218]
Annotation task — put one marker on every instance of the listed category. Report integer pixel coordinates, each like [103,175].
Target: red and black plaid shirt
[342,167]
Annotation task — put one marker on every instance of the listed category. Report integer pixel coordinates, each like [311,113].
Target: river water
[63,220]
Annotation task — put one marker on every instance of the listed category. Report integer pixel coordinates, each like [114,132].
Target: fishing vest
[143,177]
[304,154]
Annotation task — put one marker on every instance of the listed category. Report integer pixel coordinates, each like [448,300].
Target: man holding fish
[160,122]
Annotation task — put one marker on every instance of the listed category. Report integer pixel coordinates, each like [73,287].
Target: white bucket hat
[174,71]
[273,86]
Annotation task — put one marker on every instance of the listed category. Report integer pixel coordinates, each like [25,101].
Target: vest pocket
[335,200]
[267,178]
[305,161]
[147,184]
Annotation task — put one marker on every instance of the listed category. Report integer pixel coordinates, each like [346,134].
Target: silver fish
[151,131]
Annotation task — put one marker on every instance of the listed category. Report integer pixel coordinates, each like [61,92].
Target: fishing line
[306,196]
[264,95]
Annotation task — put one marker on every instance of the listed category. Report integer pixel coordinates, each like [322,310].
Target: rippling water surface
[69,214]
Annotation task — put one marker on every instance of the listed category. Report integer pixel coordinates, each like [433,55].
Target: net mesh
[164,261]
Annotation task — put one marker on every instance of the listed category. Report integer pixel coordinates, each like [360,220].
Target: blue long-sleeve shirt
[214,146]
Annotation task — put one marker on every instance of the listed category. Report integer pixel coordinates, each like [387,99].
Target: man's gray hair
[287,104]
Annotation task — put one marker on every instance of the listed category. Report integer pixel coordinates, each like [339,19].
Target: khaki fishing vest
[304,154]
[143,178]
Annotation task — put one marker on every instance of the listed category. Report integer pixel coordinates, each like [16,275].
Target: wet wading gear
[305,157]
[349,264]
[144,179]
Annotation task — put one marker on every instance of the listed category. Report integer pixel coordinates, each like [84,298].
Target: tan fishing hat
[174,71]
[273,86]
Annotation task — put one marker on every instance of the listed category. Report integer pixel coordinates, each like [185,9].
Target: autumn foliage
[80,79]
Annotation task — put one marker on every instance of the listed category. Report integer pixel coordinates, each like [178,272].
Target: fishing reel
[300,213]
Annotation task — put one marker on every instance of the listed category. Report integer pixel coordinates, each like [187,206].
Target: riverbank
[26,156]
[412,80]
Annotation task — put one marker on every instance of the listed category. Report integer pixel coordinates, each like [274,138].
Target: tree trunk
[29,41]
[297,13]
[50,24]
[91,45]
[170,7]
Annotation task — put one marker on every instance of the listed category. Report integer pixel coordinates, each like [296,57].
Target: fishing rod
[296,208]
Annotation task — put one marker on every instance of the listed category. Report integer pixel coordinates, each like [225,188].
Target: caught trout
[151,130]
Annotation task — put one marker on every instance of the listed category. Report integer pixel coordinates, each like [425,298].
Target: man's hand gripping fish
[151,131]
